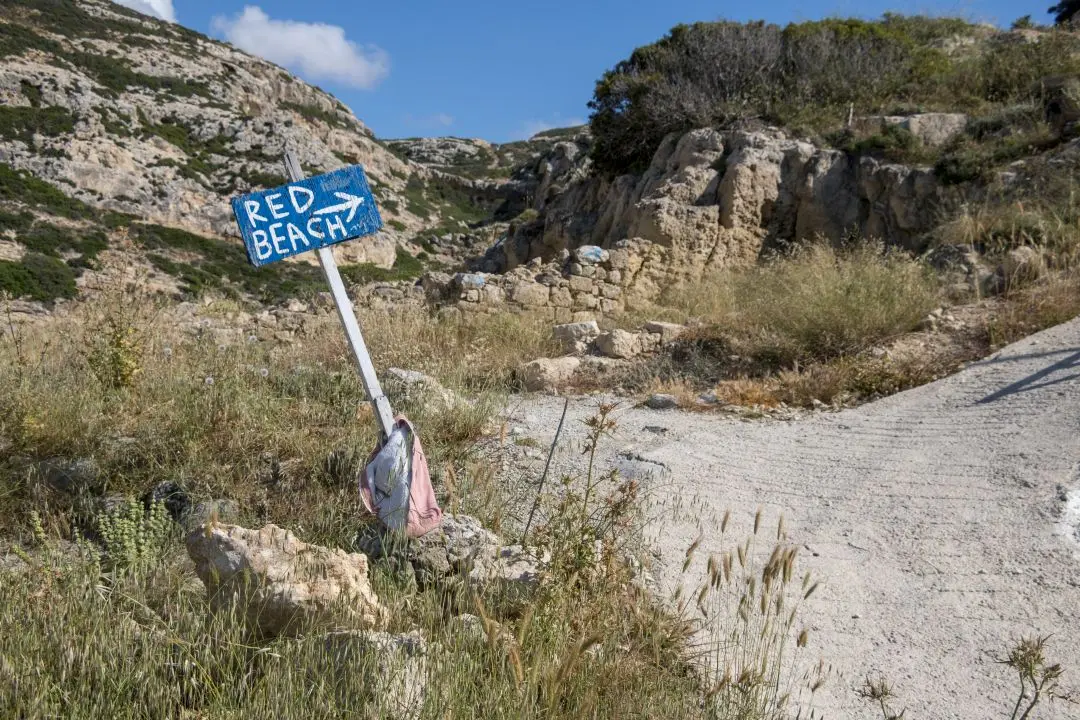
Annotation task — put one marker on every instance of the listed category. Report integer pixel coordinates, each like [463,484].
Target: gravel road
[944,521]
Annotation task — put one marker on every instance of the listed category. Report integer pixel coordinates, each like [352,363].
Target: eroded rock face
[933,129]
[279,584]
[712,200]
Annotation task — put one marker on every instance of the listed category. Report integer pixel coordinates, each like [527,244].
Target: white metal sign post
[348,319]
[313,214]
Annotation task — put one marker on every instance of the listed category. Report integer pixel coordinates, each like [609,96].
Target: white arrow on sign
[351,203]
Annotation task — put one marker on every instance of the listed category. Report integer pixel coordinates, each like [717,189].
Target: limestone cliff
[711,200]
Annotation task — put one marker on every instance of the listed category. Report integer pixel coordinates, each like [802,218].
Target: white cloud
[532,127]
[315,50]
[161,9]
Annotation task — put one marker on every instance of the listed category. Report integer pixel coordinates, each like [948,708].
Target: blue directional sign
[306,215]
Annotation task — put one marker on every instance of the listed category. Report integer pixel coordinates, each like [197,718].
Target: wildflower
[208,381]
[252,338]
[264,372]
[222,348]
[167,352]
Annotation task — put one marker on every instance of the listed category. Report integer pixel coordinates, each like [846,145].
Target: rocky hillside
[978,152]
[479,159]
[120,131]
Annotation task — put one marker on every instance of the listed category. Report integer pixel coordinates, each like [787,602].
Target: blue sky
[489,68]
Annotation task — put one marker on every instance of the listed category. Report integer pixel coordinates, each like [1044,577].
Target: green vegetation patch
[313,112]
[261,178]
[405,267]
[46,239]
[22,123]
[65,17]
[17,221]
[117,75]
[809,76]
[415,200]
[16,39]
[38,277]
[223,266]
[992,142]
[17,186]
[31,92]
[199,165]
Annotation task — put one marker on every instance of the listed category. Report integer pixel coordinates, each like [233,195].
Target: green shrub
[15,221]
[22,123]
[415,200]
[406,267]
[894,143]
[38,277]
[223,265]
[18,186]
[808,75]
[117,76]
[16,39]
[313,112]
[31,92]
[51,240]
[65,17]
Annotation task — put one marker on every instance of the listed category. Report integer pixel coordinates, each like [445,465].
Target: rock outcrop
[280,585]
[713,200]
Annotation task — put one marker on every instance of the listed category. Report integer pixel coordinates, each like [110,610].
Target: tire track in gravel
[944,521]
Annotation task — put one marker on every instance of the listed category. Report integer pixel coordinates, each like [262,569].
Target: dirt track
[945,520]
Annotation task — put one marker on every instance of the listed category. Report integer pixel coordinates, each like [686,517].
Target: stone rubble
[460,547]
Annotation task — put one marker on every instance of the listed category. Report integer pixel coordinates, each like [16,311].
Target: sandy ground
[944,521]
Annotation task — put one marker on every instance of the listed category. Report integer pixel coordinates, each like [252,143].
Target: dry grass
[816,303]
[751,601]
[795,329]
[130,641]
[1030,309]
[254,420]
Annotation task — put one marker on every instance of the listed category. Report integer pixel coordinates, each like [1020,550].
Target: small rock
[591,255]
[295,306]
[222,510]
[415,387]
[176,499]
[668,332]
[459,546]
[619,344]
[1021,266]
[469,628]
[548,373]
[817,404]
[473,281]
[575,337]
[68,475]
[708,398]
[662,401]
